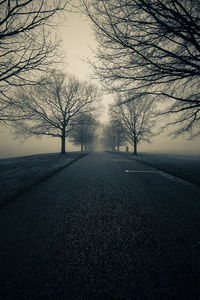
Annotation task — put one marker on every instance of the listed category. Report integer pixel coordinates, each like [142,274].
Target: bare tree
[151,46]
[84,132]
[26,43]
[137,118]
[52,107]
[113,134]
[108,137]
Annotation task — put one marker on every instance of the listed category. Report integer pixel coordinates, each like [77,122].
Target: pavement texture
[96,231]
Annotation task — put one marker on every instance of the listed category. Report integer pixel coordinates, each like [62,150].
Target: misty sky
[77,40]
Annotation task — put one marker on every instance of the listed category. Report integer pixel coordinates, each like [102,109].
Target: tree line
[59,106]
[36,99]
[130,122]
[148,56]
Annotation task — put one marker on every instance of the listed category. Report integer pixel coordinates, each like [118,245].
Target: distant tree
[108,137]
[113,134]
[137,118]
[84,131]
[26,43]
[52,107]
[152,47]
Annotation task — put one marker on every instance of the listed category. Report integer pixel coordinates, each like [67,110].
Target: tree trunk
[135,143]
[81,146]
[63,142]
[135,148]
[118,148]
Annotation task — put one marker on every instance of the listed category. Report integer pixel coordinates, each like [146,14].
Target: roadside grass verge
[20,173]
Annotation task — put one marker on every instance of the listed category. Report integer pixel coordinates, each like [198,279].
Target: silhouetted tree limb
[26,44]
[136,116]
[113,134]
[52,107]
[84,131]
[150,46]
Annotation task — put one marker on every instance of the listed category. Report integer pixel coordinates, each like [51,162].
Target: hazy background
[77,41]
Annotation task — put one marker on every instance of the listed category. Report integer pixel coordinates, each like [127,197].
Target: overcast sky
[77,40]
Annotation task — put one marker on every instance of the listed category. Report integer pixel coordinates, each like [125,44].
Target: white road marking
[173,178]
[135,171]
[161,173]
[122,160]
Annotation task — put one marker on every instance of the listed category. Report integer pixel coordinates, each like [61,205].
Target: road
[106,227]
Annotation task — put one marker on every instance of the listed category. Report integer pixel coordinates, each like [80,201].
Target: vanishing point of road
[105,227]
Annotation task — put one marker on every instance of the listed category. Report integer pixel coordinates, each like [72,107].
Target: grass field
[20,173]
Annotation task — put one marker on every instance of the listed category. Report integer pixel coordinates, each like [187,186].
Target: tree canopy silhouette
[152,47]
[26,43]
[52,107]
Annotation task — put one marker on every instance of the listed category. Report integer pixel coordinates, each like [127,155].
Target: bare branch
[27,45]
[149,46]
[52,107]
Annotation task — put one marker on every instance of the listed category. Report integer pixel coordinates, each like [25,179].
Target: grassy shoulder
[20,173]
[186,167]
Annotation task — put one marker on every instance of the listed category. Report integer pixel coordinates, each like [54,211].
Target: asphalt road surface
[105,227]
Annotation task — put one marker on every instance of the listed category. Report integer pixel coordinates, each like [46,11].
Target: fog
[11,146]
[77,41]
